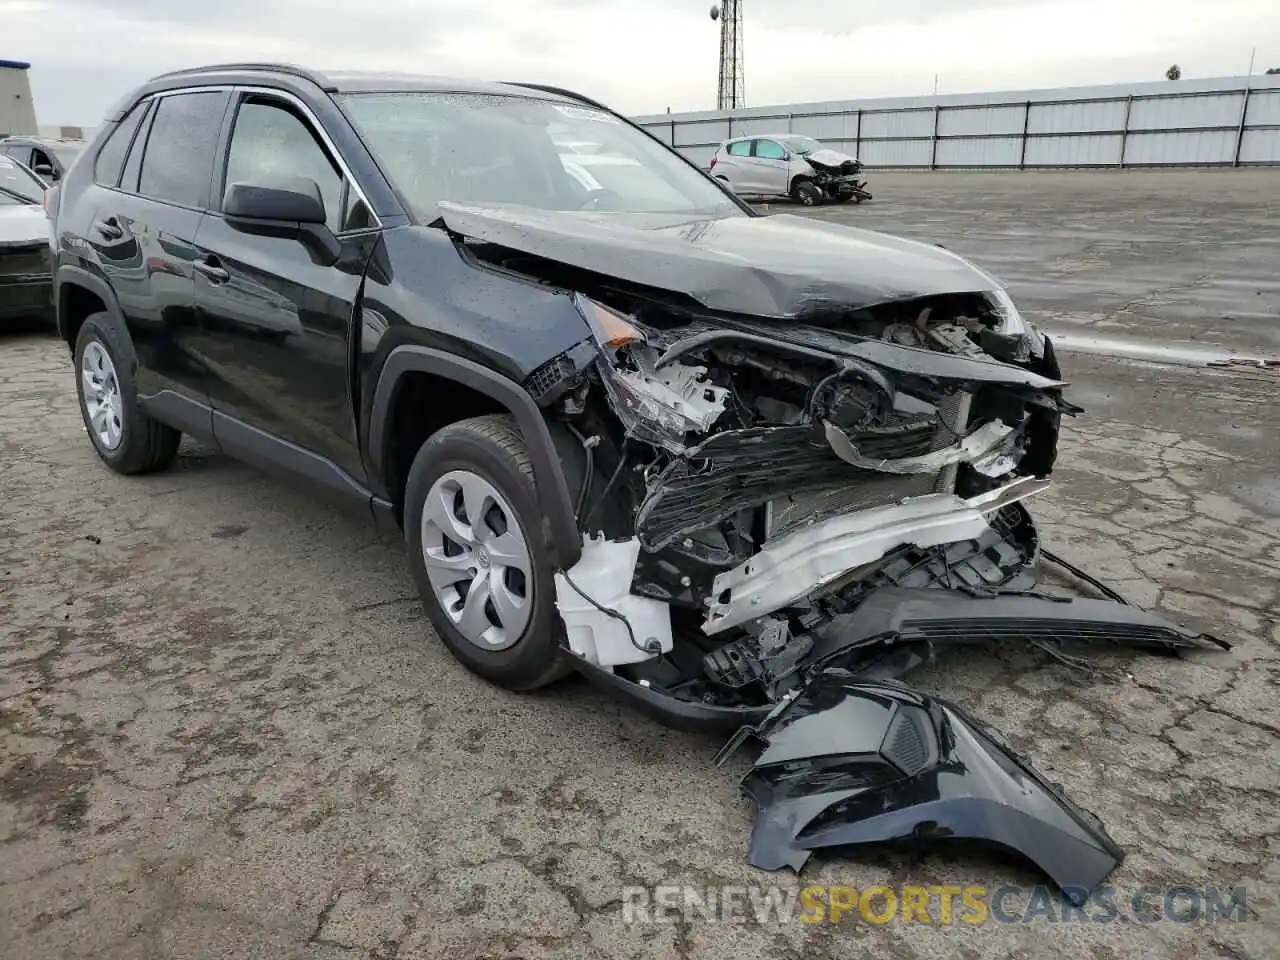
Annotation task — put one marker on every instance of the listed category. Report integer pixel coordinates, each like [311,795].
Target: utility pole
[731,93]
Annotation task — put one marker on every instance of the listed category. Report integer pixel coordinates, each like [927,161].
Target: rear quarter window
[740,149]
[110,161]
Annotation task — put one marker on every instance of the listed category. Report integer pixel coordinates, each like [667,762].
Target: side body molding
[559,522]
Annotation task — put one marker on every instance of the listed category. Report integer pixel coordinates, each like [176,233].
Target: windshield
[17,185]
[495,149]
[803,146]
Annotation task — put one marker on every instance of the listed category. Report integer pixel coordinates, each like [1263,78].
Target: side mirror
[293,210]
[297,202]
[44,170]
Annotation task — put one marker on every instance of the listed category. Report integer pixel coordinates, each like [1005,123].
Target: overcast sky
[641,56]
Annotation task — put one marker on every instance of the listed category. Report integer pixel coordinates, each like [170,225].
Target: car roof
[768,136]
[44,141]
[291,76]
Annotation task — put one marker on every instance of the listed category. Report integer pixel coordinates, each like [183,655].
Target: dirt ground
[227,731]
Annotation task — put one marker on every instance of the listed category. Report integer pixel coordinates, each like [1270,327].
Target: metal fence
[1232,122]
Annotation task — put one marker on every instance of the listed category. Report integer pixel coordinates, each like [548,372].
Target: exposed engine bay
[837,175]
[782,514]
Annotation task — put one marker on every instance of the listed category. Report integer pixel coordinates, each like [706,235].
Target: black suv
[714,460]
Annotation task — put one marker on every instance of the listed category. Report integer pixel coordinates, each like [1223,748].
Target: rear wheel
[806,192]
[125,438]
[473,535]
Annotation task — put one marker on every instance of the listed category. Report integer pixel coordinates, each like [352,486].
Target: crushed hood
[779,267]
[826,157]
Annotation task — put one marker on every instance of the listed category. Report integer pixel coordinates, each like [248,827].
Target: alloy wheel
[103,405]
[477,559]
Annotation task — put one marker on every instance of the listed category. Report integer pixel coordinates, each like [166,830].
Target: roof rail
[561,92]
[287,68]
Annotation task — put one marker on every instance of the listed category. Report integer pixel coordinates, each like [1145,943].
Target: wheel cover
[477,560]
[103,406]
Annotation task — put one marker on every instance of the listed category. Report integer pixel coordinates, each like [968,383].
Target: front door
[277,327]
[771,168]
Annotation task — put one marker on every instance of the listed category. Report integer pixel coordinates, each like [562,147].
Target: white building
[17,110]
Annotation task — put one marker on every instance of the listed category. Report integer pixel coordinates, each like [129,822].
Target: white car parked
[788,165]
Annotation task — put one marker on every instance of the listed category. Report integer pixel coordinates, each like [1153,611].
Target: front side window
[496,149]
[770,150]
[272,145]
[178,162]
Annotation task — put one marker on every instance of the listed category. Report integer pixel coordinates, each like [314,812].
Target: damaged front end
[780,513]
[838,175]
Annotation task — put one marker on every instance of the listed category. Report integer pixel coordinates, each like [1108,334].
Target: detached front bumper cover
[851,762]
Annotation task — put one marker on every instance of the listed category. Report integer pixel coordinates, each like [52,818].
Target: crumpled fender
[851,761]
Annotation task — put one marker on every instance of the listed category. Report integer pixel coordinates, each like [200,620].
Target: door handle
[209,269]
[109,228]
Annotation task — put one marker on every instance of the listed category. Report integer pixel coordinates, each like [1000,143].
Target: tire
[465,457]
[134,442]
[806,192]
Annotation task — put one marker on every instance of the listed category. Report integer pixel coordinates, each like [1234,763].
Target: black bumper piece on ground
[895,615]
[852,762]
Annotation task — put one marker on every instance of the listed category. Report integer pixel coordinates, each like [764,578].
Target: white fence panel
[1260,146]
[1264,107]
[1171,113]
[1095,150]
[980,152]
[981,120]
[904,123]
[896,153]
[1198,147]
[1184,122]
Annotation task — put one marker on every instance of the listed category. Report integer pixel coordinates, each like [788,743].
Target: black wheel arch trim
[71,275]
[552,486]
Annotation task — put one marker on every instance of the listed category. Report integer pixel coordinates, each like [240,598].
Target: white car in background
[788,165]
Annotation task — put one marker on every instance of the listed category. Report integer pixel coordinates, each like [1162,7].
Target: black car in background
[715,461]
[26,278]
[49,158]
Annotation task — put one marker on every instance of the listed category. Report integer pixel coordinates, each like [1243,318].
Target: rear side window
[110,162]
[741,148]
[178,161]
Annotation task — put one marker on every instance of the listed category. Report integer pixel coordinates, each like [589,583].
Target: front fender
[851,762]
[561,528]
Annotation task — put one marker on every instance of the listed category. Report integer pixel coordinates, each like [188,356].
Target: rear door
[735,163]
[770,166]
[278,328]
[143,234]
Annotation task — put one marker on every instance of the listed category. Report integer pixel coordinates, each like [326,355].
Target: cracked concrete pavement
[227,731]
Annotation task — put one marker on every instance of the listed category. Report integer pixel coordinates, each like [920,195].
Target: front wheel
[807,192]
[473,535]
